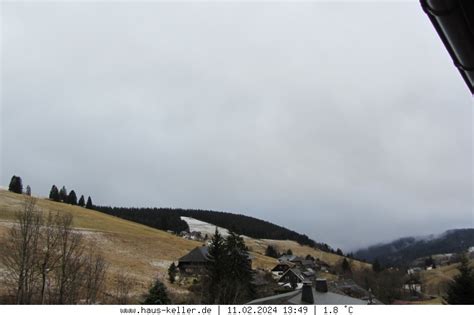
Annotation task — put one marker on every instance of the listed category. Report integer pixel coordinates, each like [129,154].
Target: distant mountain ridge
[405,250]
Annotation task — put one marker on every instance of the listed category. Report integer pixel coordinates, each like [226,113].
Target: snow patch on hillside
[163,264]
[203,227]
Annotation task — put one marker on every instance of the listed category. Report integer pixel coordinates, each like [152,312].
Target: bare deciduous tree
[95,269]
[123,285]
[21,252]
[48,254]
[47,261]
[70,262]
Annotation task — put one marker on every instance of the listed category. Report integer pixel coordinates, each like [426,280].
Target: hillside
[203,227]
[260,245]
[405,250]
[138,250]
[245,225]
[332,259]
[143,252]
[169,219]
[159,218]
[435,282]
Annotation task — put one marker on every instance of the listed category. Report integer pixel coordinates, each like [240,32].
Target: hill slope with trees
[405,250]
[170,219]
[133,251]
[163,219]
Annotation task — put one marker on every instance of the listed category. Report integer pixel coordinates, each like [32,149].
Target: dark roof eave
[457,37]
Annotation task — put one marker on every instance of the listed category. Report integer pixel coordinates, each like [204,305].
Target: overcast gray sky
[344,121]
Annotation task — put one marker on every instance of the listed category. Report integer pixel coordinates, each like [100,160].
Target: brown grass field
[435,282]
[145,253]
[137,250]
[259,246]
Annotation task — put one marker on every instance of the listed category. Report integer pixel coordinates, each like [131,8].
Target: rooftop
[453,20]
[296,298]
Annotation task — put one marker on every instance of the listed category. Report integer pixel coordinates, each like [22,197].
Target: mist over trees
[403,251]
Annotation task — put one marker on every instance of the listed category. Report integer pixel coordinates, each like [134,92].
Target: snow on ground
[203,227]
[163,264]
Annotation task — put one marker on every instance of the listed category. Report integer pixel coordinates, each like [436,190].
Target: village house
[195,262]
[413,287]
[304,263]
[281,268]
[295,277]
[193,235]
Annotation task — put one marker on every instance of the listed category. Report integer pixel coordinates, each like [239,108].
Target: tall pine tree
[54,193]
[81,202]
[172,271]
[376,267]
[157,294]
[72,198]
[215,269]
[346,267]
[16,185]
[63,194]
[238,277]
[461,291]
[271,251]
[89,204]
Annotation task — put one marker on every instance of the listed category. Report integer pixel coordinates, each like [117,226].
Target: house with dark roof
[295,277]
[281,268]
[308,263]
[309,294]
[297,260]
[195,261]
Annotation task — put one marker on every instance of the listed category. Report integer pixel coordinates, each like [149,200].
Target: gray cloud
[343,121]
